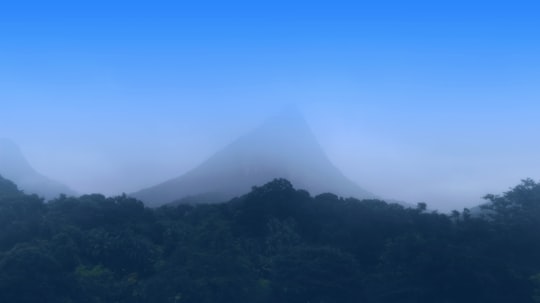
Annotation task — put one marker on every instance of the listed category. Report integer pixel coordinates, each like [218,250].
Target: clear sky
[435,101]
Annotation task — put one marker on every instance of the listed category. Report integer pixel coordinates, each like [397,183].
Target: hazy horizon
[416,101]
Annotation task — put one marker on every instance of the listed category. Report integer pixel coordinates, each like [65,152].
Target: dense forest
[275,244]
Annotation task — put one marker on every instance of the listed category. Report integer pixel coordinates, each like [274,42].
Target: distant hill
[15,167]
[283,147]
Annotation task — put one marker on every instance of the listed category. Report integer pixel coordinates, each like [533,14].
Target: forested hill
[275,244]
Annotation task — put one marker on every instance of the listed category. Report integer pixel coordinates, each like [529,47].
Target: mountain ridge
[15,167]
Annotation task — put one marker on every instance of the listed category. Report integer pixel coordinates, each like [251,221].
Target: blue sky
[434,101]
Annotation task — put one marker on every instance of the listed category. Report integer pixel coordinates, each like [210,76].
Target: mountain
[15,167]
[283,147]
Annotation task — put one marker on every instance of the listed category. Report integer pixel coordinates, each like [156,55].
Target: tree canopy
[274,244]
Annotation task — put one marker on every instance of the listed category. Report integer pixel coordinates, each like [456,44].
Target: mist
[436,112]
[446,165]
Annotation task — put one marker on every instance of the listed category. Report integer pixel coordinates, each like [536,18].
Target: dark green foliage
[316,274]
[275,244]
[8,188]
[29,273]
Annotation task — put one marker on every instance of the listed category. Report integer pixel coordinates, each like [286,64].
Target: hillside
[283,147]
[275,244]
[14,166]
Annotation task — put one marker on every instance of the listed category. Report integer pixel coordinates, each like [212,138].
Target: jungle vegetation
[274,244]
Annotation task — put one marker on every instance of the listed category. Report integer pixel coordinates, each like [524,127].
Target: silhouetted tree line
[275,244]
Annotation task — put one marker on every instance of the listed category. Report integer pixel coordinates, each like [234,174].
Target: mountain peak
[282,147]
[289,120]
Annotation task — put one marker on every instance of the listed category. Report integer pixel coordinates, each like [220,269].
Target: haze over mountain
[283,147]
[15,167]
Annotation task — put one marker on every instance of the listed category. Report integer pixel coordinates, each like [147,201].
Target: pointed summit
[283,147]
[15,167]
